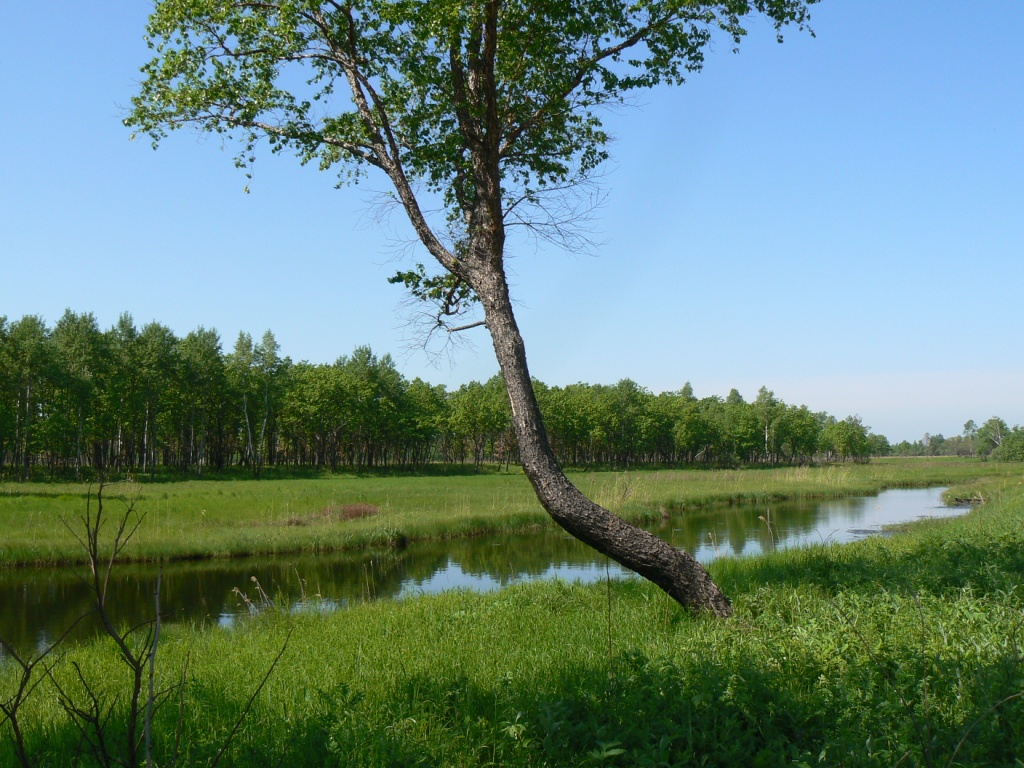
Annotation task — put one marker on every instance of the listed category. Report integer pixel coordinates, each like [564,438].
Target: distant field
[223,518]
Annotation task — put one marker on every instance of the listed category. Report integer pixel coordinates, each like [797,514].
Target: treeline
[993,439]
[76,398]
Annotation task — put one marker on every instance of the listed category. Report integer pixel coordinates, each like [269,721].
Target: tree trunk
[675,571]
[482,267]
[27,455]
[145,441]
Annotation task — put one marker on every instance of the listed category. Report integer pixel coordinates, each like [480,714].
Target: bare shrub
[355,511]
[334,512]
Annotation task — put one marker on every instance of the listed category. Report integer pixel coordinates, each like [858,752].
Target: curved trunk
[675,571]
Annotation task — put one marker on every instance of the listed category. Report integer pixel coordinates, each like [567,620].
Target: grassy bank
[211,518]
[901,651]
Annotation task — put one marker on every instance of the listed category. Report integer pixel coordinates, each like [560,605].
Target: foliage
[234,68]
[990,435]
[986,440]
[845,439]
[452,296]
[76,400]
[1011,448]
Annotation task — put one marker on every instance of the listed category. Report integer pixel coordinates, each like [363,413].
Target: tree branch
[466,327]
[390,163]
[585,67]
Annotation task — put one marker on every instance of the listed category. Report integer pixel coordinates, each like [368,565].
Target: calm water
[38,604]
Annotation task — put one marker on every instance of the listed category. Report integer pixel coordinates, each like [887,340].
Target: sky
[839,218]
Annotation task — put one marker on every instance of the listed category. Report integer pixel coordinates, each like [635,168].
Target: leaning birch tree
[487,109]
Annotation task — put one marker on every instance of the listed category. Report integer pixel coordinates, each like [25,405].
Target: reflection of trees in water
[39,603]
[518,556]
[36,604]
[744,528]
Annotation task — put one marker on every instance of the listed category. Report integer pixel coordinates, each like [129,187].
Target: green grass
[900,651]
[209,518]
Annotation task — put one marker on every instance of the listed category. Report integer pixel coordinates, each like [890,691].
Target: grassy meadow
[225,518]
[886,652]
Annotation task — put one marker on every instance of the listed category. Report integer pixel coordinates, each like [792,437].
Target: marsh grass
[203,519]
[900,651]
[869,654]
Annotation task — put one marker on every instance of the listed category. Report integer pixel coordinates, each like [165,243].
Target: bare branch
[151,698]
[460,328]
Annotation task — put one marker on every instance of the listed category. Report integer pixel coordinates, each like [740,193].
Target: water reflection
[36,605]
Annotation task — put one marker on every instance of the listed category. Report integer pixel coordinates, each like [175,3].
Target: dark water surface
[36,604]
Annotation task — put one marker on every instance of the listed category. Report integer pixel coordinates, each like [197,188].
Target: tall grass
[899,651]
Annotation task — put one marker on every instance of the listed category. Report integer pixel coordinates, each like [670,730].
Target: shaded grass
[203,519]
[898,651]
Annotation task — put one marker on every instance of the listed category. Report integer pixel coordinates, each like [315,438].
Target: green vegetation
[993,439]
[223,518]
[890,651]
[75,399]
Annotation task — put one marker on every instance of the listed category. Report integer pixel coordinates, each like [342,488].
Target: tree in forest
[478,416]
[846,439]
[800,430]
[423,420]
[878,445]
[1011,447]
[30,356]
[203,377]
[697,431]
[81,361]
[156,367]
[486,109]
[970,438]
[659,422]
[625,404]
[255,372]
[769,411]
[376,394]
[990,435]
[742,430]
[313,413]
[8,394]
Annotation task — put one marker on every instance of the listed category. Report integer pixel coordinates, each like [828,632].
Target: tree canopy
[76,399]
[494,108]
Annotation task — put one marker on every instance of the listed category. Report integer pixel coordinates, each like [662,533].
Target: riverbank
[902,650]
[234,518]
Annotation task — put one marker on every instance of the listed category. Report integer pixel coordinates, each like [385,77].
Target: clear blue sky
[840,219]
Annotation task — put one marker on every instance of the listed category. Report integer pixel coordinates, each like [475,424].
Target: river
[37,604]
